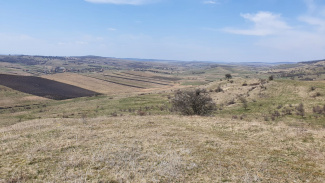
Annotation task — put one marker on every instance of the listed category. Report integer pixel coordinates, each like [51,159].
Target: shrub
[232,101]
[312,88]
[242,117]
[228,76]
[318,94]
[319,110]
[114,114]
[162,108]
[271,77]
[244,101]
[219,89]
[287,111]
[300,110]
[141,113]
[276,114]
[196,102]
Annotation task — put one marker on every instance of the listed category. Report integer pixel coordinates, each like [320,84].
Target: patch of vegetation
[194,102]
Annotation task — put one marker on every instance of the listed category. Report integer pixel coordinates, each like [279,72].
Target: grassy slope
[79,140]
[160,149]
[87,107]
[278,95]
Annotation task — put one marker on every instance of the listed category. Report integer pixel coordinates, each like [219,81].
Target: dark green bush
[228,76]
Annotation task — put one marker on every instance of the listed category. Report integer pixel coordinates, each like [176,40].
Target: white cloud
[295,45]
[265,23]
[283,42]
[111,29]
[310,5]
[315,9]
[315,15]
[319,23]
[128,2]
[81,42]
[210,2]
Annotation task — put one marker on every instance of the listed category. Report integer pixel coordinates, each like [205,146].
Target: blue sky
[209,30]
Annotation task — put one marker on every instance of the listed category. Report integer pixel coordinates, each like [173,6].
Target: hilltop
[128,131]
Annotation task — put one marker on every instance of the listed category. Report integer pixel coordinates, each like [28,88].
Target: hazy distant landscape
[267,124]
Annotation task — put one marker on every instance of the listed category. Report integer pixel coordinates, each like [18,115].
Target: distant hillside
[312,62]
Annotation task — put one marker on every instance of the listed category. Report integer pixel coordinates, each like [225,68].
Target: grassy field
[131,134]
[160,149]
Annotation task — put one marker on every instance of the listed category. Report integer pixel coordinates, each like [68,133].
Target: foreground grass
[87,107]
[160,149]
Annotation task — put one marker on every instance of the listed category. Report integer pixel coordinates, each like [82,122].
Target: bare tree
[196,102]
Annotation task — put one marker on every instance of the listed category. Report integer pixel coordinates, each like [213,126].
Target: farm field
[43,87]
[132,81]
[89,83]
[131,132]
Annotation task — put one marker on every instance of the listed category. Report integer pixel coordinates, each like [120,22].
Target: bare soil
[44,87]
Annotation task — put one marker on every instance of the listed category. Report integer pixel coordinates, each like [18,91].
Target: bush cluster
[319,110]
[195,102]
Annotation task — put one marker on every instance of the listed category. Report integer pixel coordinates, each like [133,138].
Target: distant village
[63,70]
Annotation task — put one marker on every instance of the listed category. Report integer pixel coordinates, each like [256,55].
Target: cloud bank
[303,38]
[265,23]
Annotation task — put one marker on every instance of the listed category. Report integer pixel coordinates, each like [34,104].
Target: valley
[99,119]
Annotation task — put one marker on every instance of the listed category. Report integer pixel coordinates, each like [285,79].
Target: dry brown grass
[235,90]
[160,149]
[10,98]
[90,83]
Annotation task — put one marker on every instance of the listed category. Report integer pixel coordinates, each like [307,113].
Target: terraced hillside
[91,83]
[134,81]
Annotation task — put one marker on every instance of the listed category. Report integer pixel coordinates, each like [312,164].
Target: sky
[201,30]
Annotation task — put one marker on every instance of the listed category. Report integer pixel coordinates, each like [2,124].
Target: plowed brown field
[44,87]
